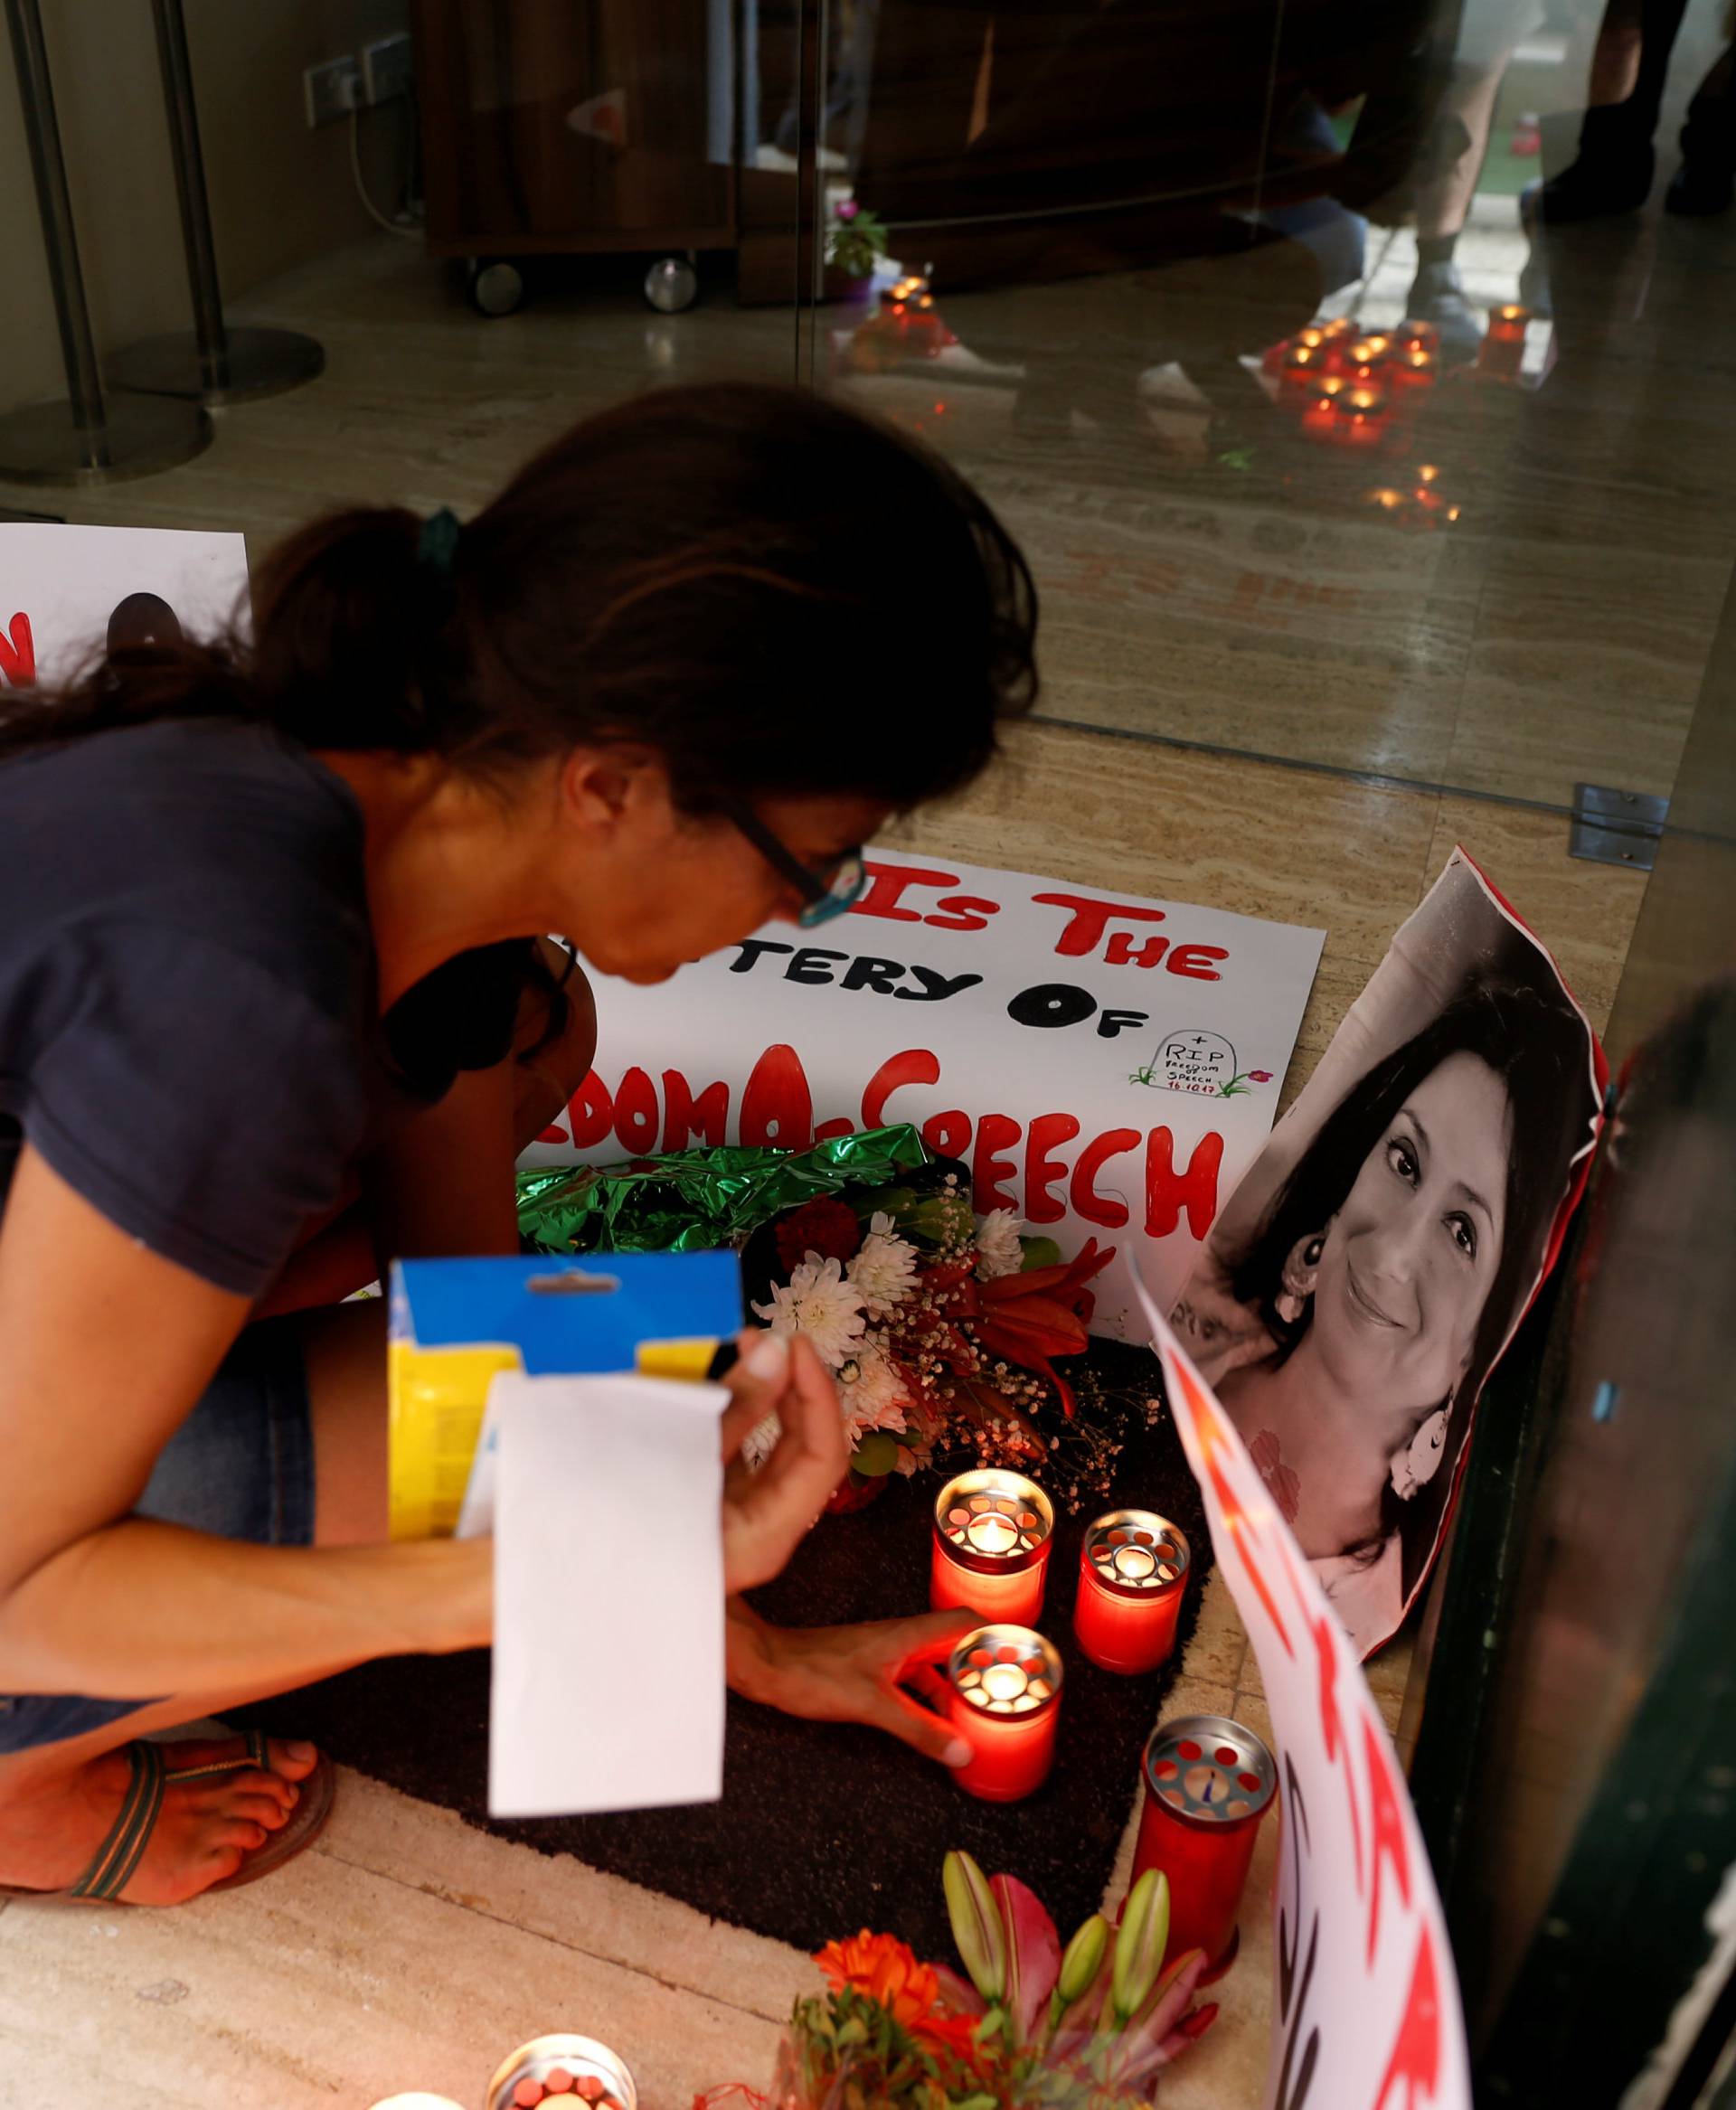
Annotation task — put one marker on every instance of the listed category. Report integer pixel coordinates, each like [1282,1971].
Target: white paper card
[65,591]
[609,1595]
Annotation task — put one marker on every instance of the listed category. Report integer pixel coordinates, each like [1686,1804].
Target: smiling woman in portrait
[1355,1324]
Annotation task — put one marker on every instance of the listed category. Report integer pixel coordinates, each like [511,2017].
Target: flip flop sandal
[116,1862]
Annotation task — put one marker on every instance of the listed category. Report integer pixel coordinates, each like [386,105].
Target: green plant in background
[855,241]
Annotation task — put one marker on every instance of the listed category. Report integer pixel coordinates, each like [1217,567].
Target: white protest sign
[66,592]
[1108,1065]
[1366,2006]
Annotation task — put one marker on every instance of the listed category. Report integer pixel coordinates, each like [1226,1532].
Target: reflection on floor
[409,1952]
[1215,575]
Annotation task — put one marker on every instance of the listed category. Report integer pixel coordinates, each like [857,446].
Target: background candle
[1318,419]
[1302,363]
[1004,1697]
[1208,1783]
[1132,1571]
[1413,368]
[1359,416]
[992,1539]
[1419,337]
[1363,360]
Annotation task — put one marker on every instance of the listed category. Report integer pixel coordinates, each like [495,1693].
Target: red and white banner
[1108,1065]
[1366,2006]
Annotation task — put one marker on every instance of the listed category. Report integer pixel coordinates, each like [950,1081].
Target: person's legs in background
[1490,31]
[1706,179]
[1615,163]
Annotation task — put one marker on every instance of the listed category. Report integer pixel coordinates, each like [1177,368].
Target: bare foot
[52,1828]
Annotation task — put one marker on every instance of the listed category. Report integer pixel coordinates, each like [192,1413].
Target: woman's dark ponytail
[776,596]
[350,635]
[357,638]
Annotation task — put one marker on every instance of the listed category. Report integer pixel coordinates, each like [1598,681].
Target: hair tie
[437,544]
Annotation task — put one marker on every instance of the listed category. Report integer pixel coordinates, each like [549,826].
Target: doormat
[824,1828]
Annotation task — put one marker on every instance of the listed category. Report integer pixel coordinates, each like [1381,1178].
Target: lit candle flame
[992,1533]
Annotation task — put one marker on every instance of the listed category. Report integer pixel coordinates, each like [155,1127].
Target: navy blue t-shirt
[189,1028]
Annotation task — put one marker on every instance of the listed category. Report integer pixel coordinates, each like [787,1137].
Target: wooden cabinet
[554,126]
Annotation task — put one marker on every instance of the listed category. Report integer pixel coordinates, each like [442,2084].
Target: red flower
[1046,1312]
[953,2034]
[824,1226]
[1259,1077]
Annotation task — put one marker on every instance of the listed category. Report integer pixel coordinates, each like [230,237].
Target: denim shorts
[239,1467]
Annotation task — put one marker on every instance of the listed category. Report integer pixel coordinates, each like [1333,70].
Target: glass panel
[1488,552]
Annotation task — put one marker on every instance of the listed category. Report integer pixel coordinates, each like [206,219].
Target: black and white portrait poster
[1377,1257]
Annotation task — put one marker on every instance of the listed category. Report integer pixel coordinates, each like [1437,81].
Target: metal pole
[81,438]
[190,189]
[214,365]
[59,238]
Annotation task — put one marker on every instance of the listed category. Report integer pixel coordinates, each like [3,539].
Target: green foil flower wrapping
[694,1200]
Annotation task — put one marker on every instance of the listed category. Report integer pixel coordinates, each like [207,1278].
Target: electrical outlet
[332,91]
[386,69]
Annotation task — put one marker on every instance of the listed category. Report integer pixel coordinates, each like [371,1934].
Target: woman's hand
[852,1673]
[767,1512]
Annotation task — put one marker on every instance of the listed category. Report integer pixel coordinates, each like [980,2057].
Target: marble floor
[1209,629]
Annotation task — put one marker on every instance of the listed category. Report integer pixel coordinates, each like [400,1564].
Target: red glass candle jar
[1503,351]
[1303,365]
[992,1536]
[1133,1568]
[1413,336]
[1363,360]
[1208,1783]
[1334,337]
[1272,359]
[1005,1700]
[1318,419]
[1360,417]
[1413,368]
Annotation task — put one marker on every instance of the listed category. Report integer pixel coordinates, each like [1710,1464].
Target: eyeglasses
[827,897]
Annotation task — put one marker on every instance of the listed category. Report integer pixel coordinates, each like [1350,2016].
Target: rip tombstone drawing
[1191,1061]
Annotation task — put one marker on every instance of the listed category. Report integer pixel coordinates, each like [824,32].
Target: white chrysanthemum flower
[884,1268]
[817,1301]
[871,1392]
[998,1250]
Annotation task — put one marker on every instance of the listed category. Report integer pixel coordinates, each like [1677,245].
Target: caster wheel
[495,286]
[672,285]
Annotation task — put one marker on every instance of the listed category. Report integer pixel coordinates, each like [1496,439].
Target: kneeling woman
[274,1008]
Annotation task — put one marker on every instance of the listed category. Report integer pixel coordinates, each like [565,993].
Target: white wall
[279,193]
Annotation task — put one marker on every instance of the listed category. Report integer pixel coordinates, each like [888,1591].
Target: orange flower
[886,1970]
